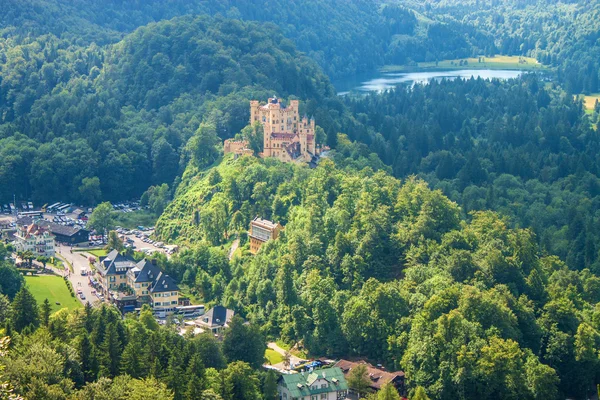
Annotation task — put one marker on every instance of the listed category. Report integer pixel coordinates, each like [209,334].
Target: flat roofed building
[261,231]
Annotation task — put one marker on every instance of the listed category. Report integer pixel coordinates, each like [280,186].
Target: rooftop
[163,283]
[216,316]
[264,223]
[300,385]
[377,376]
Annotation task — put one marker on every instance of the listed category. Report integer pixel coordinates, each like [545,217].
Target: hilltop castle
[286,136]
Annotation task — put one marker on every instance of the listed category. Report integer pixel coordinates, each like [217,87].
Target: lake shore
[494,63]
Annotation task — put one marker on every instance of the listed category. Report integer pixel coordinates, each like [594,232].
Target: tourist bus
[32,214]
[52,207]
[190,311]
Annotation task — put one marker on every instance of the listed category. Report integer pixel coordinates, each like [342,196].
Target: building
[62,233]
[326,384]
[112,271]
[215,320]
[164,293]
[286,136]
[36,239]
[238,147]
[261,231]
[377,376]
[130,285]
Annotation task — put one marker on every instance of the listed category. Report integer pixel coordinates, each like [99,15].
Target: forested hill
[524,149]
[368,266]
[560,33]
[343,37]
[124,113]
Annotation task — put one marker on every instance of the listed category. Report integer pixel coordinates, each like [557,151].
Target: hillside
[369,266]
[563,34]
[526,150]
[124,113]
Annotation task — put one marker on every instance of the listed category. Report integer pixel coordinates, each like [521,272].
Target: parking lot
[141,241]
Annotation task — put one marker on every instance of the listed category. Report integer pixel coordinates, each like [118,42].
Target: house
[261,231]
[164,293]
[141,276]
[112,271]
[130,285]
[326,384]
[35,238]
[215,319]
[377,376]
[62,233]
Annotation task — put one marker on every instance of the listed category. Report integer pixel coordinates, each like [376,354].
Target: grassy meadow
[496,62]
[54,289]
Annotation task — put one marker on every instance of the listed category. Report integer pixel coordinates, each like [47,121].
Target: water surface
[379,81]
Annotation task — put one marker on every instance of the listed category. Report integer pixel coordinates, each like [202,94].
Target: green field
[54,289]
[496,62]
[589,102]
[98,252]
[273,356]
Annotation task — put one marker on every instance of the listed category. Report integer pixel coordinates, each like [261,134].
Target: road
[78,260]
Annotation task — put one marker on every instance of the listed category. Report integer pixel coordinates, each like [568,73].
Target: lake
[379,81]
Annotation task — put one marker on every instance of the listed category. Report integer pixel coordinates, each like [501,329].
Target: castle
[286,136]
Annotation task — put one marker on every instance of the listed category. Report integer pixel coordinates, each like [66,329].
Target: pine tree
[420,394]
[46,312]
[89,363]
[388,392]
[131,363]
[88,318]
[270,386]
[25,310]
[111,352]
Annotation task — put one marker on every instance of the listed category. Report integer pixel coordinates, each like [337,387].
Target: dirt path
[233,248]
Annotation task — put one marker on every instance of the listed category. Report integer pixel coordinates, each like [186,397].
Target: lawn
[273,356]
[496,62]
[98,253]
[54,289]
[590,101]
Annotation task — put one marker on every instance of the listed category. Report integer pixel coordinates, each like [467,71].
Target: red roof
[377,376]
[283,135]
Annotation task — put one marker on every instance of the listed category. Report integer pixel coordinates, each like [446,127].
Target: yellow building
[286,136]
[239,147]
[261,231]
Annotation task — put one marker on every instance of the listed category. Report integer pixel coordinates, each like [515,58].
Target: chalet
[377,376]
[35,238]
[326,384]
[216,319]
[62,233]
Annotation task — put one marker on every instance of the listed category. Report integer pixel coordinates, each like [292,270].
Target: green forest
[451,232]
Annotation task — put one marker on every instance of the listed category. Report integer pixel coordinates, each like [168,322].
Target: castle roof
[283,135]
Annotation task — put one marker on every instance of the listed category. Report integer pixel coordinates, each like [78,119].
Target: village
[59,232]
